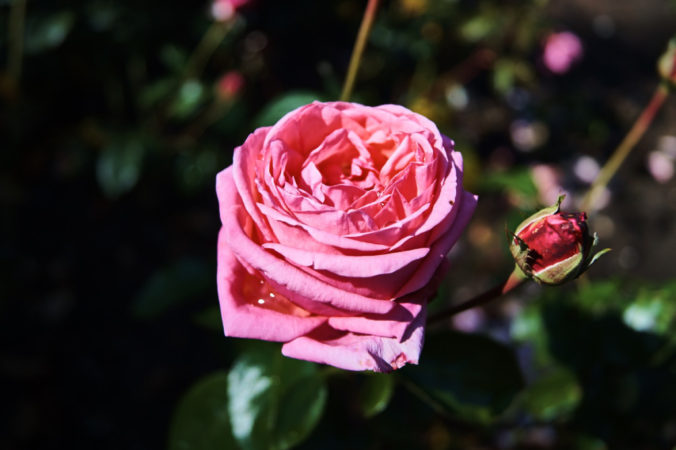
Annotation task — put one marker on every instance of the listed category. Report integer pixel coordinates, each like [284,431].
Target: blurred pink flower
[229,85]
[561,51]
[223,10]
[660,166]
[549,182]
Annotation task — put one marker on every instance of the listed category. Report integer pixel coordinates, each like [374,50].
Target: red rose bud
[553,247]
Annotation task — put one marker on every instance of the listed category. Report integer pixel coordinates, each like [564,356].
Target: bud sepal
[666,65]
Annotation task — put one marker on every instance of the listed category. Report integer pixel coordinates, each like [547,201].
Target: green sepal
[665,65]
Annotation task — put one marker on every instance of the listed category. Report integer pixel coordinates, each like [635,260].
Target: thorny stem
[642,123]
[15,31]
[358,49]
[515,279]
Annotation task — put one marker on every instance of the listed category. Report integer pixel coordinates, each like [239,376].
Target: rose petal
[393,324]
[442,246]
[317,235]
[362,266]
[242,317]
[279,271]
[359,352]
[244,178]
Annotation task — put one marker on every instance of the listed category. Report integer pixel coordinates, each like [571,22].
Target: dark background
[109,217]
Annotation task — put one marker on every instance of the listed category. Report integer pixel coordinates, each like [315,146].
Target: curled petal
[352,351]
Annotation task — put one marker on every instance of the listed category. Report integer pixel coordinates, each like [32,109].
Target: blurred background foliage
[115,117]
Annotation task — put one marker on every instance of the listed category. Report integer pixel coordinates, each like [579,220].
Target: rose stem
[210,41]
[358,49]
[515,279]
[642,123]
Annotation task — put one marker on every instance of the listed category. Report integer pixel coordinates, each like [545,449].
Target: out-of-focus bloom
[660,166]
[548,181]
[586,169]
[229,85]
[660,162]
[528,135]
[561,51]
[553,247]
[224,10]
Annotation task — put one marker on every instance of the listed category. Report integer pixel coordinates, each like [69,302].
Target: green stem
[628,143]
[423,396]
[194,66]
[206,47]
[17,17]
[358,49]
[515,279]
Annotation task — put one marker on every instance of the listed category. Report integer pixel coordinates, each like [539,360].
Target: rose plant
[335,222]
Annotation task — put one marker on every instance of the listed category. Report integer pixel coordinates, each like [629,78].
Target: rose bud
[553,247]
[666,65]
[229,86]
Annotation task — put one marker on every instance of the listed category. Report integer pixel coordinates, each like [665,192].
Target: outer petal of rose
[279,271]
[364,266]
[441,247]
[318,119]
[244,160]
[359,352]
[392,325]
[241,317]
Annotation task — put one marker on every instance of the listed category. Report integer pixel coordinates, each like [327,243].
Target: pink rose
[335,221]
[561,51]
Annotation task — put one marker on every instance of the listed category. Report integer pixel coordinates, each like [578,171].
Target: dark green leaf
[48,32]
[376,393]
[173,57]
[553,395]
[473,376]
[210,318]
[278,107]
[152,94]
[172,285]
[119,166]
[201,421]
[653,310]
[516,180]
[274,401]
[190,96]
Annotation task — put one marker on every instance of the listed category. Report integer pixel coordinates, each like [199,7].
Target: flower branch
[358,50]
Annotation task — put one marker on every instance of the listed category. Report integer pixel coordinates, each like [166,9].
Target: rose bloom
[336,222]
[561,51]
